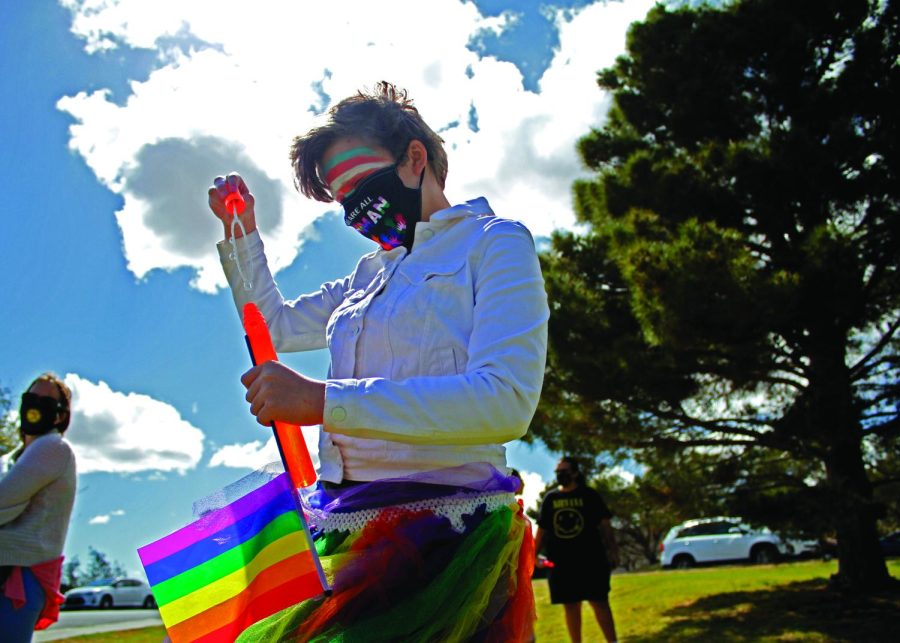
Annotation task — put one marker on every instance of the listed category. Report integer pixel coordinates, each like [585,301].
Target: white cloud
[103,519]
[234,85]
[534,485]
[128,432]
[249,455]
[623,474]
[255,454]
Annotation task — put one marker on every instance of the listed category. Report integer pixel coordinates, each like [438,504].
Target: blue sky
[115,118]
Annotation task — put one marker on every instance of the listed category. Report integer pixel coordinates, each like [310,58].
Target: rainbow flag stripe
[234,566]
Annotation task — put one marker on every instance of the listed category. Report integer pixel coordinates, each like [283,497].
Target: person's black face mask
[564,478]
[384,210]
[38,413]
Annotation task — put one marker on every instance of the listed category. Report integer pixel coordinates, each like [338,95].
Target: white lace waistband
[452,508]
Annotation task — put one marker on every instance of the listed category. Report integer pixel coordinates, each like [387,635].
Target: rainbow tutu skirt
[440,556]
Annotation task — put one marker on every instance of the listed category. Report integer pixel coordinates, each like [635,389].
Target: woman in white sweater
[36,498]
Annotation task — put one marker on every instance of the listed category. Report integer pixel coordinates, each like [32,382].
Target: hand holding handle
[293,449]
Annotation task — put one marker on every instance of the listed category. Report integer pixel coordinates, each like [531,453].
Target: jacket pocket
[431,317]
[418,274]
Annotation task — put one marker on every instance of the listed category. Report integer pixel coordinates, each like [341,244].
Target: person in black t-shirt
[574,527]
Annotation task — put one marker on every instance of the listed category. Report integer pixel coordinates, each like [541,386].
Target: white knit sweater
[36,498]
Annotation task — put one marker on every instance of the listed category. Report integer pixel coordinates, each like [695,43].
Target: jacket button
[338,414]
[427,234]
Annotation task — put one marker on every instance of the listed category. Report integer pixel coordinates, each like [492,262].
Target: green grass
[143,635]
[786,602]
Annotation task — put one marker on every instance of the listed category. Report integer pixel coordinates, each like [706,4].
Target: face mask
[384,210]
[564,478]
[38,413]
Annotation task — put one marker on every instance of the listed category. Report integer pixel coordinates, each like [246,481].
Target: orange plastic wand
[288,437]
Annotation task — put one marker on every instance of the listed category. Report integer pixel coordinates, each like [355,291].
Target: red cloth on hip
[48,575]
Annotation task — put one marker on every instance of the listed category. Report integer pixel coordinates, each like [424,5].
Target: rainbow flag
[234,566]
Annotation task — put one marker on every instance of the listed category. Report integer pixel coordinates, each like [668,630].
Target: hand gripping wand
[234,203]
[288,437]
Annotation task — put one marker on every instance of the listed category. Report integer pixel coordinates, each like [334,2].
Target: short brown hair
[385,117]
[65,394]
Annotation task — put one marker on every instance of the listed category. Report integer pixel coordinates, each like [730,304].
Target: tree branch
[669,442]
[883,414]
[785,380]
[861,367]
[886,429]
[686,421]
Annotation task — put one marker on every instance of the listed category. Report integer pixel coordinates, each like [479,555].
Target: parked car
[890,544]
[824,548]
[107,593]
[723,539]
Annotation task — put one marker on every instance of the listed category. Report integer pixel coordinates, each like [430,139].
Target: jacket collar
[474,207]
[438,220]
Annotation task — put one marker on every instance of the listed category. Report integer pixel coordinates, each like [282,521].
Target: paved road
[83,622]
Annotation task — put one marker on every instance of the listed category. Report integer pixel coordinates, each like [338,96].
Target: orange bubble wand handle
[290,442]
[234,203]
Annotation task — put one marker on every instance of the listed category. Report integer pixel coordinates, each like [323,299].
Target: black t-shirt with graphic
[571,524]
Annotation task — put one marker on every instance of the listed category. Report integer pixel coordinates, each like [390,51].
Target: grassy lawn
[786,602]
[143,635]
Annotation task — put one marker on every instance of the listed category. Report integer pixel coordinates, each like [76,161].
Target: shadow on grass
[803,610]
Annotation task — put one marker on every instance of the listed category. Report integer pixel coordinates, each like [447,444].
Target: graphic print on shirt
[568,521]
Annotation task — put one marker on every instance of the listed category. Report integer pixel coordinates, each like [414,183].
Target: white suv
[714,540]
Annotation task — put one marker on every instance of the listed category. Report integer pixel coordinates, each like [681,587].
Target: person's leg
[605,619]
[17,625]
[573,621]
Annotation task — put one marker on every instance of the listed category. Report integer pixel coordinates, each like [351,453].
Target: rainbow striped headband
[344,171]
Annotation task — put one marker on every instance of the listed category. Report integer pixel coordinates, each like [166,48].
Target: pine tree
[737,290]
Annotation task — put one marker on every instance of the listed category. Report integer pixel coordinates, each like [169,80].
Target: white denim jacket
[437,356]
